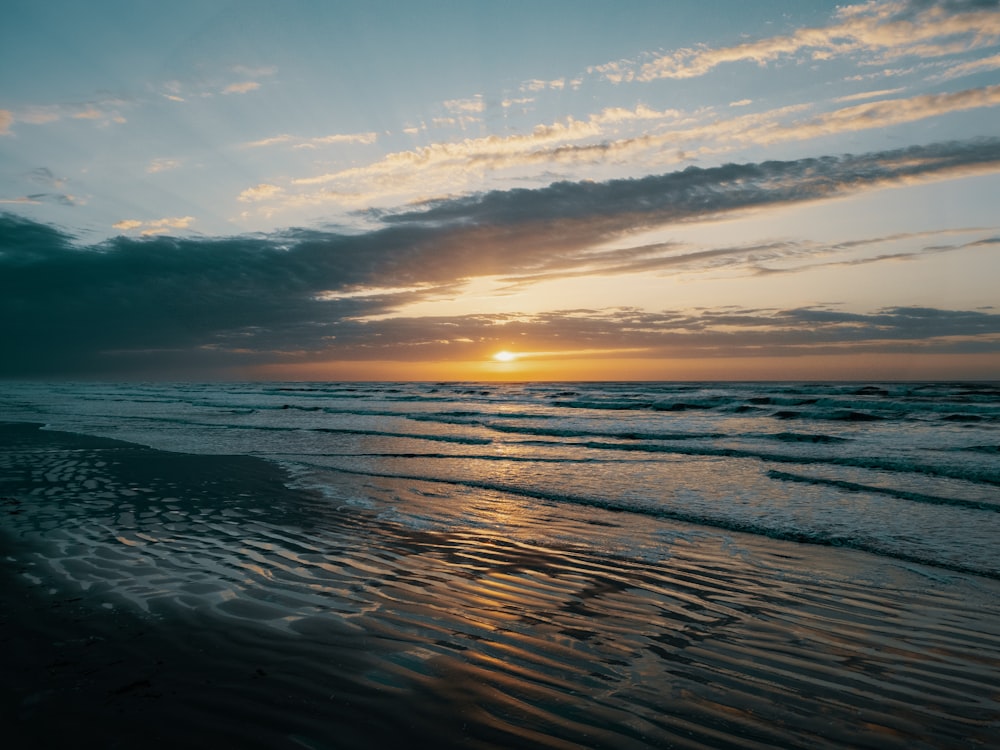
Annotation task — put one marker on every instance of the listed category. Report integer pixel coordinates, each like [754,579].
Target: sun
[505,356]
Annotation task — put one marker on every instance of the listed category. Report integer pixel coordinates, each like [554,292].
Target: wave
[798,437]
[918,497]
[634,440]
[797,535]
[620,434]
[991,450]
[836,415]
[972,474]
[460,439]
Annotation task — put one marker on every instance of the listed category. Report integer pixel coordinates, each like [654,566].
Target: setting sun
[505,356]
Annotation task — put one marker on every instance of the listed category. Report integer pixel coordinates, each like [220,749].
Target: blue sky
[632,189]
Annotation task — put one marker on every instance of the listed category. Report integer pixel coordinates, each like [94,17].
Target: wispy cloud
[254,71]
[243,87]
[861,96]
[706,333]
[535,84]
[45,176]
[103,113]
[606,138]
[473,105]
[173,90]
[62,199]
[969,67]
[780,256]
[882,31]
[154,226]
[880,114]
[41,114]
[53,193]
[259,192]
[162,165]
[434,165]
[295,141]
[217,82]
[767,268]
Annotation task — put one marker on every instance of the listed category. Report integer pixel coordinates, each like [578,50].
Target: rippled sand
[171,600]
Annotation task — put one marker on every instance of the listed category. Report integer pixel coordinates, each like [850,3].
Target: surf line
[787,535]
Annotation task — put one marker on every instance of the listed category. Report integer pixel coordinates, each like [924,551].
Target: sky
[683,190]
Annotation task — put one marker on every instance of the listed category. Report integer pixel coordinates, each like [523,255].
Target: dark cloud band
[71,309]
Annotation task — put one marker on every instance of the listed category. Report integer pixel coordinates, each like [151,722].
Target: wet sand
[161,599]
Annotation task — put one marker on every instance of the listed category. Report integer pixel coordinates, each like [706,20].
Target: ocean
[524,565]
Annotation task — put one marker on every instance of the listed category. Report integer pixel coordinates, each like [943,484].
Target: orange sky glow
[833,367]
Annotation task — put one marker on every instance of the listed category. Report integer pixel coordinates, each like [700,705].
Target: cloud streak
[884,31]
[103,113]
[243,87]
[155,226]
[324,140]
[604,139]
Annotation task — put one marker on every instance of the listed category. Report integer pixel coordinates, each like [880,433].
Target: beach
[164,598]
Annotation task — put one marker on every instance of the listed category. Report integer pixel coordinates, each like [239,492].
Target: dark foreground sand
[153,599]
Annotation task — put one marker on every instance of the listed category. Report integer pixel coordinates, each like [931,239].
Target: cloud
[155,226]
[875,32]
[891,29]
[127,225]
[884,113]
[251,71]
[607,138]
[6,120]
[162,165]
[216,83]
[259,192]
[696,192]
[150,301]
[44,177]
[89,113]
[969,67]
[440,162]
[557,84]
[706,333]
[62,199]
[40,115]
[366,139]
[244,87]
[363,138]
[867,95]
[103,113]
[474,105]
[758,264]
[172,90]
[272,141]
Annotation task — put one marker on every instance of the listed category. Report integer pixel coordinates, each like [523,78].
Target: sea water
[906,471]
